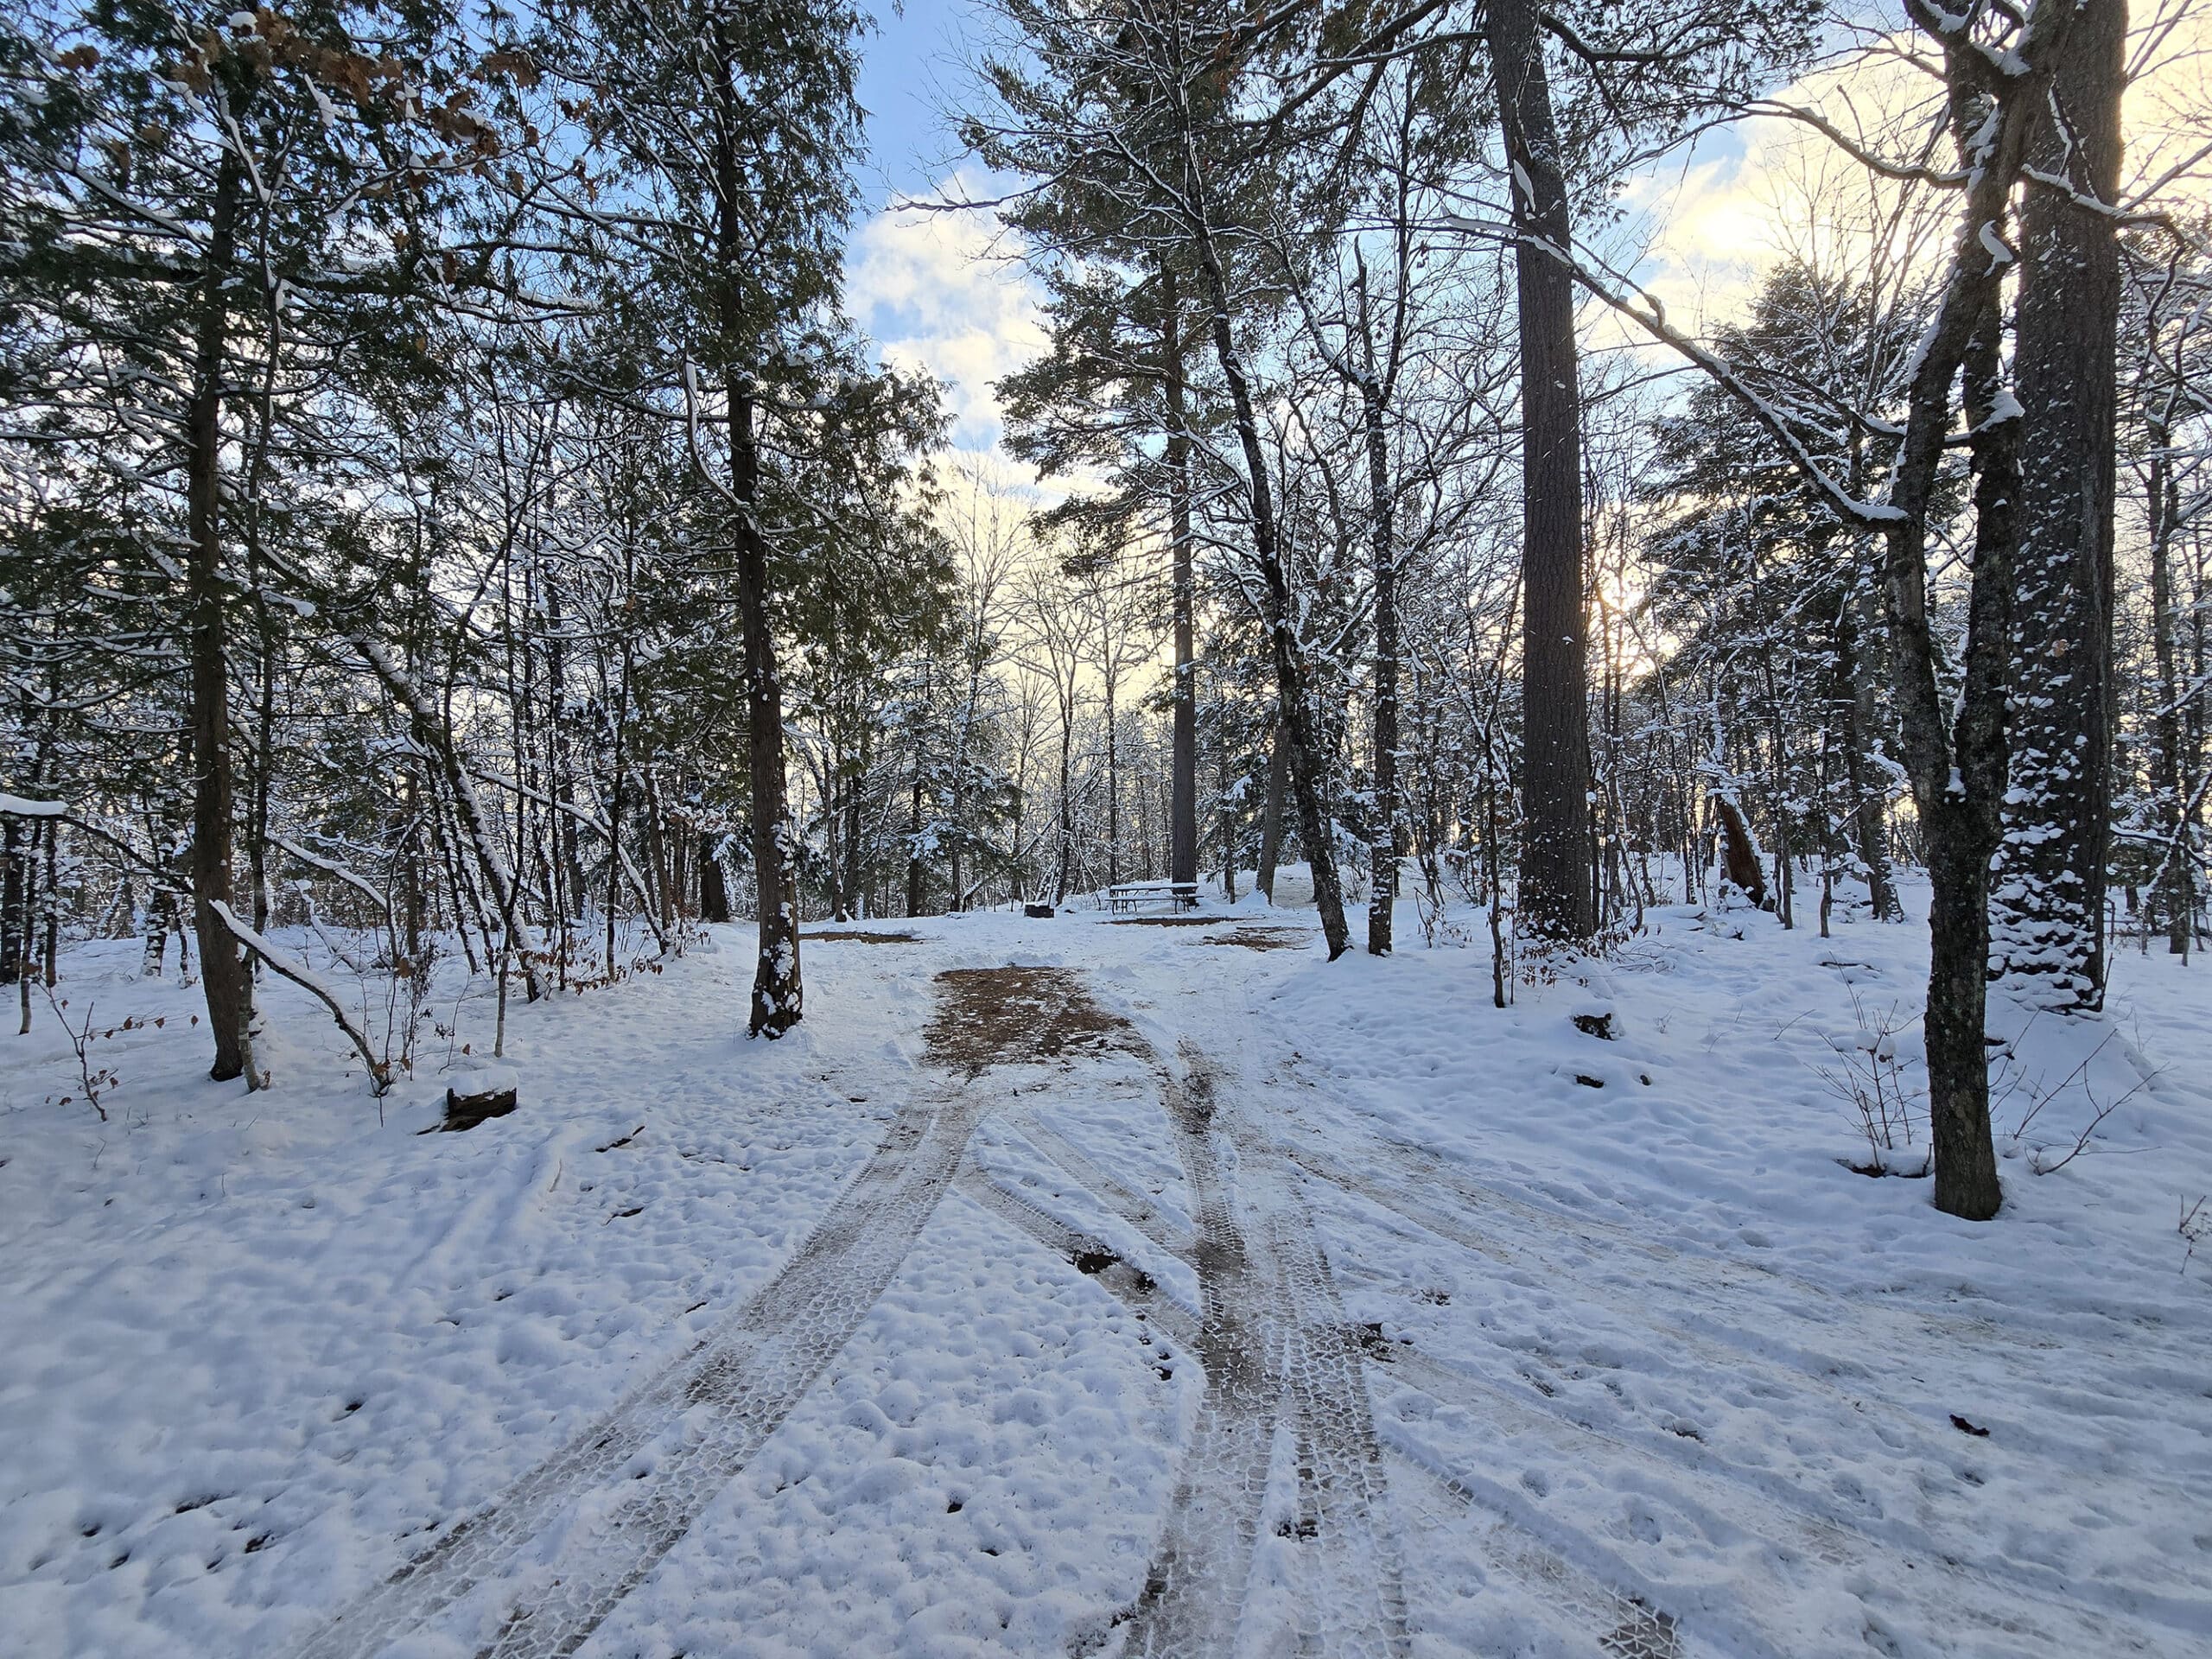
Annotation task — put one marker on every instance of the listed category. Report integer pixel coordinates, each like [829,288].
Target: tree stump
[1037,912]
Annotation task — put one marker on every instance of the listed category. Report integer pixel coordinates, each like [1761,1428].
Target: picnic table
[1132,895]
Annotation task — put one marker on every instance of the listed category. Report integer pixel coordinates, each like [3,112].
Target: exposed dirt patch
[1165,921]
[1265,939]
[861,936]
[1018,1016]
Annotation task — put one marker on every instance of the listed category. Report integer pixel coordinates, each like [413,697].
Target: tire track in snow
[1622,1623]
[2025,1609]
[654,1462]
[1628,1627]
[1419,1169]
[1141,1293]
[1273,1346]
[1725,1352]
[1122,1200]
[552,1557]
[1585,1607]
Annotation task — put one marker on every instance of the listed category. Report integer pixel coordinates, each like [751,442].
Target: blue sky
[907,66]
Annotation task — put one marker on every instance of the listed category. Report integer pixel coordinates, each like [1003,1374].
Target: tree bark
[1271,817]
[2049,930]
[1183,799]
[14,945]
[222,971]
[1960,804]
[777,1002]
[1556,900]
[714,886]
[917,867]
[1113,783]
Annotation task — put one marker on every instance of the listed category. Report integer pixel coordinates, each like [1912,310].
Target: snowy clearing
[1178,1294]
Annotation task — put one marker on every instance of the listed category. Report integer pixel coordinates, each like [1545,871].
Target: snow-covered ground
[1184,1296]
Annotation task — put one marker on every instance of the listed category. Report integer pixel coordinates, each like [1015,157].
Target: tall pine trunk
[1556,899]
[222,972]
[2049,930]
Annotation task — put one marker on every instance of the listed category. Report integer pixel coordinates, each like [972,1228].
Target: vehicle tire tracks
[658,1457]
[1624,1624]
[1274,1345]
[549,1559]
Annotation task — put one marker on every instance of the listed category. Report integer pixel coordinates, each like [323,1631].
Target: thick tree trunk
[1183,796]
[1958,1060]
[1960,804]
[2048,928]
[777,1000]
[222,971]
[1556,902]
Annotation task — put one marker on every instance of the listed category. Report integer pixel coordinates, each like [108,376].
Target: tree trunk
[1067,800]
[1384,848]
[916,869]
[2049,930]
[1958,1060]
[1297,733]
[1861,711]
[776,999]
[1183,800]
[1556,902]
[1271,817]
[1113,793]
[1960,801]
[2177,886]
[13,945]
[714,886]
[222,972]
[1228,819]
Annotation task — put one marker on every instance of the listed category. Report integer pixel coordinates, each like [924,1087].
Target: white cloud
[936,291]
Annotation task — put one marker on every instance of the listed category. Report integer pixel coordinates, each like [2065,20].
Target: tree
[1128,121]
[2048,932]
[734,125]
[1998,68]
[1557,901]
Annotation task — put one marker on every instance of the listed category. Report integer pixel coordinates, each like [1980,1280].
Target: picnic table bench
[1129,895]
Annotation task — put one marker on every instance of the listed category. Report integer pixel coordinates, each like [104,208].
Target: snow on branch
[308,980]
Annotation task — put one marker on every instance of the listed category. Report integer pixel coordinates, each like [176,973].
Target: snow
[18,807]
[1606,1339]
